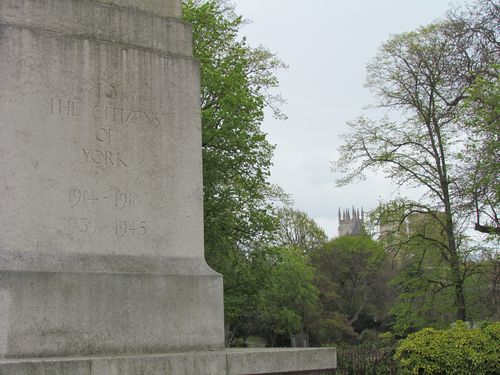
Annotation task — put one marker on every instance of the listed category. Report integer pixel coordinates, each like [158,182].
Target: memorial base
[81,305]
[230,362]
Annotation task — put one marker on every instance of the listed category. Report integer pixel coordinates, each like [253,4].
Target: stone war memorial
[102,268]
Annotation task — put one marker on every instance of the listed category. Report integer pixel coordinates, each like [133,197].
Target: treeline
[416,266]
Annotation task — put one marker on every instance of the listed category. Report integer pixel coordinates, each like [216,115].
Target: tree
[421,300]
[290,296]
[483,287]
[423,76]
[421,275]
[350,281]
[236,84]
[244,278]
[297,230]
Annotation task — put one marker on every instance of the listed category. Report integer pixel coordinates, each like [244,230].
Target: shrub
[455,351]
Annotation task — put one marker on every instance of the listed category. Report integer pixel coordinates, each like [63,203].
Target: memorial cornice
[106,22]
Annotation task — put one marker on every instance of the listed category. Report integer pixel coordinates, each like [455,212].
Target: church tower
[351,223]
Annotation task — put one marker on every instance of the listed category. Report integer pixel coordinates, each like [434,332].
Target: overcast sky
[327,44]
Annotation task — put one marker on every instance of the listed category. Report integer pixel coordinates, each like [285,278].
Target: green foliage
[423,281]
[481,187]
[239,216]
[349,277]
[483,99]
[455,351]
[263,252]
[297,230]
[243,279]
[406,319]
[235,84]
[420,304]
[482,287]
[289,296]
[421,78]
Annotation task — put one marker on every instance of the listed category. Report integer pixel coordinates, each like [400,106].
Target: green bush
[455,351]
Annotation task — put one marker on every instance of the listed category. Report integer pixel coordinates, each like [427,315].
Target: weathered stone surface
[165,8]
[100,147]
[279,360]
[206,363]
[97,21]
[231,362]
[51,314]
[44,367]
[77,263]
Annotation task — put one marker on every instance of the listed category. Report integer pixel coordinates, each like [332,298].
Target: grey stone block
[206,363]
[311,361]
[51,314]
[164,8]
[45,367]
[101,249]
[280,360]
[99,21]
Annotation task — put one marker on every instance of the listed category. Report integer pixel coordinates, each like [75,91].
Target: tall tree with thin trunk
[421,76]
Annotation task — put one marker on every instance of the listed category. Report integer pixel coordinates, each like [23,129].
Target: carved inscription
[63,107]
[126,115]
[106,89]
[84,198]
[125,228]
[104,150]
[104,135]
[119,228]
[103,158]
[83,225]
[78,197]
[113,199]
[111,114]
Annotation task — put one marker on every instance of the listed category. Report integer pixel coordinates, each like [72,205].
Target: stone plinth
[230,362]
[86,305]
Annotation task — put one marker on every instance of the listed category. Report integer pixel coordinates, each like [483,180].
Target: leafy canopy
[236,80]
[290,295]
[348,275]
[239,214]
[421,78]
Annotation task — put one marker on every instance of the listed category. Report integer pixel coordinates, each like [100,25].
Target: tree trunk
[273,339]
[454,259]
[459,288]
[231,336]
